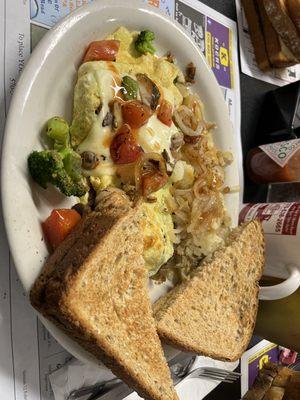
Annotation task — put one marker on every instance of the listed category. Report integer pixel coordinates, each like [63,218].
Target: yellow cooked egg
[156,225]
[97,85]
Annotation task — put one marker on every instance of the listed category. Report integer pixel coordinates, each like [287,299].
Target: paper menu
[28,353]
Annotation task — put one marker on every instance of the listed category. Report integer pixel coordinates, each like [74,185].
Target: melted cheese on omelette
[97,84]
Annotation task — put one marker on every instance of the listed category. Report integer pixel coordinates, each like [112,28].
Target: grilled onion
[187,121]
[182,89]
[193,102]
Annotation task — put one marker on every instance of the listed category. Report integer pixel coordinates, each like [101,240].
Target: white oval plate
[46,88]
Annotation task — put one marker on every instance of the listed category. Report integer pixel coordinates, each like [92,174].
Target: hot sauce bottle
[275,162]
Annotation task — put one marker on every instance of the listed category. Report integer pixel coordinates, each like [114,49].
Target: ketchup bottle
[275,162]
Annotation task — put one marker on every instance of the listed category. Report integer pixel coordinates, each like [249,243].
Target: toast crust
[293,7]
[256,34]
[283,24]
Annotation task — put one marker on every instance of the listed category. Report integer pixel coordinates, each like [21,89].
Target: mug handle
[284,289]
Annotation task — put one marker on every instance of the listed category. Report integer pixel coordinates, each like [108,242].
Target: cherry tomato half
[124,148]
[59,224]
[135,113]
[103,50]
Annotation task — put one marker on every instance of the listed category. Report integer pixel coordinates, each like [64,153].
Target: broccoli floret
[62,166]
[61,169]
[58,130]
[72,163]
[144,42]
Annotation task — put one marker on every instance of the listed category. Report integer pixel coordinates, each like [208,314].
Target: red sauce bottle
[275,162]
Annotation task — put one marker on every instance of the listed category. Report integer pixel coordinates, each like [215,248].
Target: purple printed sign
[213,39]
[218,51]
[257,361]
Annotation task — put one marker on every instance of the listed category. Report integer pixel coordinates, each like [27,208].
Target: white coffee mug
[281,225]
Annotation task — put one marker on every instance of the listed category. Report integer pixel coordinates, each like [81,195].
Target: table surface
[252,95]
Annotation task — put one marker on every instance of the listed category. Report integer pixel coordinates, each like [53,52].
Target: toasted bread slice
[292,390]
[94,287]
[274,393]
[293,7]
[214,313]
[278,54]
[256,34]
[283,24]
[269,49]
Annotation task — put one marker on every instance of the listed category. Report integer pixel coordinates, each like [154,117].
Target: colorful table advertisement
[213,38]
[254,359]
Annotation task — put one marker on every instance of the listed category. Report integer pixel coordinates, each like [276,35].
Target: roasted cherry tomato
[135,113]
[164,112]
[59,224]
[124,148]
[153,182]
[103,50]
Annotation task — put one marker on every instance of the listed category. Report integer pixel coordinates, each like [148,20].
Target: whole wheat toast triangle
[94,287]
[214,313]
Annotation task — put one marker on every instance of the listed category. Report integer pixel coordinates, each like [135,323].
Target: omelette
[98,83]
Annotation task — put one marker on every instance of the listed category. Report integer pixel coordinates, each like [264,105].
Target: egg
[156,226]
[98,83]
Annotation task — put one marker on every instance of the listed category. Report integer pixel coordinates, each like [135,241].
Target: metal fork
[179,372]
[216,374]
[179,366]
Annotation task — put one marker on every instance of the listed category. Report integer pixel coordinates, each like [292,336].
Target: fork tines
[220,374]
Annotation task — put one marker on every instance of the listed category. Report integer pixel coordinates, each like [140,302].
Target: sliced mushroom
[108,119]
[166,156]
[89,160]
[117,114]
[169,165]
[148,90]
[170,57]
[190,73]
[176,141]
[98,109]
